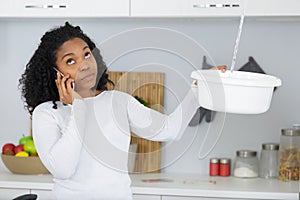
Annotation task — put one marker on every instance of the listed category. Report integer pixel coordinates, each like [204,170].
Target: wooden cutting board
[150,87]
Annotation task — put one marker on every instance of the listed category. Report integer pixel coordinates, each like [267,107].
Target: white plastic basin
[235,92]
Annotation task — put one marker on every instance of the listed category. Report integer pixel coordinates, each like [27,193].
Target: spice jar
[268,165]
[214,167]
[289,154]
[224,167]
[246,164]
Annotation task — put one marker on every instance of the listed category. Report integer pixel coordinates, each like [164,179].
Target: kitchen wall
[275,45]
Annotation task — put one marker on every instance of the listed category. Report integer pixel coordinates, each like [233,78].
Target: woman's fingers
[65,90]
[69,86]
[63,84]
[223,68]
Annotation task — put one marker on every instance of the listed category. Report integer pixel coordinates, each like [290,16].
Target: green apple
[25,139]
[29,147]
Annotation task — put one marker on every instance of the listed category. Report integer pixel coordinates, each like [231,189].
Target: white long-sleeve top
[85,145]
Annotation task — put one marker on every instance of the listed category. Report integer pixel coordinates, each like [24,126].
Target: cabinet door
[43,194]
[6,194]
[146,197]
[185,8]
[273,8]
[194,198]
[64,8]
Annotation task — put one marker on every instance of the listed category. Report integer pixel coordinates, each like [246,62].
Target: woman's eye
[70,61]
[87,55]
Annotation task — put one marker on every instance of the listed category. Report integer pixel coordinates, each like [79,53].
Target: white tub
[235,92]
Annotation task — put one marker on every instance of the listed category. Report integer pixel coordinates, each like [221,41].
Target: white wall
[274,44]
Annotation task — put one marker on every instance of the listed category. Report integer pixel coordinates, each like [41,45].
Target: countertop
[206,186]
[178,185]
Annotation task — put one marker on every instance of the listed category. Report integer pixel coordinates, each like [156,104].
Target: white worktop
[178,185]
[205,186]
[9,180]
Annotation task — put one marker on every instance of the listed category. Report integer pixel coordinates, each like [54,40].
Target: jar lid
[290,132]
[214,160]
[225,160]
[270,146]
[246,153]
[296,126]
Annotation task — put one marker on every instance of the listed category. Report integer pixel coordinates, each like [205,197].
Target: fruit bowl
[24,165]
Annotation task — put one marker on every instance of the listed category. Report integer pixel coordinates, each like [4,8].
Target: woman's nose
[84,66]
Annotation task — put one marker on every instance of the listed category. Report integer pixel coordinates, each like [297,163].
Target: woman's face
[75,58]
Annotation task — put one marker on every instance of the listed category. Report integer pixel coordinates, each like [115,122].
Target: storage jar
[268,165]
[225,167]
[289,155]
[246,164]
[214,167]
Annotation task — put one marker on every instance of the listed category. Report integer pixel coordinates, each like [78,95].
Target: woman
[63,78]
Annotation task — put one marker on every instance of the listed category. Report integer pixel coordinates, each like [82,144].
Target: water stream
[237,41]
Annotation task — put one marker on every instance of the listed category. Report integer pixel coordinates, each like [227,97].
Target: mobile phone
[73,84]
[58,71]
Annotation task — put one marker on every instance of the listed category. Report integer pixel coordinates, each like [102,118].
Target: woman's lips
[88,77]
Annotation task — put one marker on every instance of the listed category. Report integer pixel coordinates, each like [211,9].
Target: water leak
[237,41]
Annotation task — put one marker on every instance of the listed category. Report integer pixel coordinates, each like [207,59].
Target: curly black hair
[37,83]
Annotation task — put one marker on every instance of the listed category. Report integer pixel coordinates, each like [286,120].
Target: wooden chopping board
[150,87]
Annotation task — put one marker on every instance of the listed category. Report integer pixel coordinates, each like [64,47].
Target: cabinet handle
[46,6]
[216,5]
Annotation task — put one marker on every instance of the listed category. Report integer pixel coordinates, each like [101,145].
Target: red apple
[9,152]
[8,146]
[19,148]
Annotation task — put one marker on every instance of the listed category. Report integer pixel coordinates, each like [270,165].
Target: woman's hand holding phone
[65,86]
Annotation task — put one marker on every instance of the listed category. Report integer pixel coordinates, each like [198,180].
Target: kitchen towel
[252,66]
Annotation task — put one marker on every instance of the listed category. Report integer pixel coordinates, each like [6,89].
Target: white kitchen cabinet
[273,8]
[214,8]
[186,8]
[146,197]
[43,194]
[10,193]
[195,198]
[147,8]
[64,8]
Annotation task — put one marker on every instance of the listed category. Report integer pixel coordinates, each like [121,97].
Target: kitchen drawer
[43,194]
[6,194]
